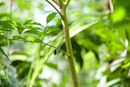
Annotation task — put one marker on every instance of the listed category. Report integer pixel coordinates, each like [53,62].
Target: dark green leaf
[6,24]
[1,3]
[20,28]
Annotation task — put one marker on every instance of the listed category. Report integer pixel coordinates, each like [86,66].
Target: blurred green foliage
[100,44]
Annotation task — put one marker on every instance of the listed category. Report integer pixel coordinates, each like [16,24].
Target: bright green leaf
[119,14]
[50,17]
[52,29]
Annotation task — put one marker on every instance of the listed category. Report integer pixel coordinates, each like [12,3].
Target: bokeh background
[100,34]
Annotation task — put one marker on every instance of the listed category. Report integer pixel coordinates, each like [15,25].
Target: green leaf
[13,81]
[1,50]
[2,3]
[17,37]
[126,65]
[6,24]
[112,82]
[5,61]
[33,39]
[20,28]
[50,17]
[32,22]
[34,27]
[3,15]
[11,69]
[51,65]
[51,29]
[122,32]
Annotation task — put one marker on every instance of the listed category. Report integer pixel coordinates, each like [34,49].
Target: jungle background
[100,34]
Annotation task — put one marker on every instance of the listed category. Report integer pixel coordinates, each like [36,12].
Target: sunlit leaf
[17,37]
[126,65]
[32,22]
[112,82]
[119,14]
[50,17]
[52,29]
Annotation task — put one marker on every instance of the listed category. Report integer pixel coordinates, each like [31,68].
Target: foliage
[100,43]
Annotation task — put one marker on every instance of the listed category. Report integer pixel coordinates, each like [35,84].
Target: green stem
[68,46]
[36,67]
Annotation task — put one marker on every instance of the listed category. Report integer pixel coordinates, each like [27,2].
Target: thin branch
[55,1]
[54,7]
[10,16]
[42,43]
[66,3]
[60,3]
[111,6]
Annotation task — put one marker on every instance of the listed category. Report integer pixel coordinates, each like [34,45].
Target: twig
[111,6]
[54,7]
[60,3]
[10,16]
[42,43]
[55,1]
[66,3]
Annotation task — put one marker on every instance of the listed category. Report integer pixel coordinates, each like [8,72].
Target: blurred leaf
[65,79]
[3,15]
[33,39]
[51,29]
[20,28]
[126,65]
[34,27]
[13,81]
[112,82]
[108,35]
[54,85]
[7,24]
[17,37]
[35,32]
[50,17]
[122,32]
[77,53]
[2,51]
[32,22]
[2,3]
[75,31]
[5,61]
[128,31]
[51,65]
[11,69]
[4,82]
[119,14]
